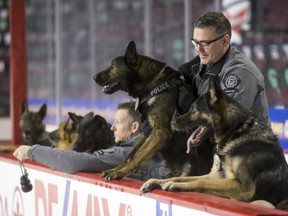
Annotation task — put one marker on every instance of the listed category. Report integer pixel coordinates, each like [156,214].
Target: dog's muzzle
[108,88]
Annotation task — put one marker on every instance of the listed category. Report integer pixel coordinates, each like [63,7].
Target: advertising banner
[54,195]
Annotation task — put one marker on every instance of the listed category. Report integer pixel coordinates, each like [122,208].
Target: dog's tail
[283,205]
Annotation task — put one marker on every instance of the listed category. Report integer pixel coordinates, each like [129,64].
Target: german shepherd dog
[156,88]
[65,136]
[249,163]
[33,126]
[94,133]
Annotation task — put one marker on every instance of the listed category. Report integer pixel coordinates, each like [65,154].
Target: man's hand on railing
[21,153]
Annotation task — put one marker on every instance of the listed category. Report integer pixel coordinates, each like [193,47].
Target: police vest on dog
[159,88]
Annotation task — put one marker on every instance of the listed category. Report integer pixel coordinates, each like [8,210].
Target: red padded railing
[191,200]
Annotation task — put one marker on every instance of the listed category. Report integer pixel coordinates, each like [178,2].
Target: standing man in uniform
[240,77]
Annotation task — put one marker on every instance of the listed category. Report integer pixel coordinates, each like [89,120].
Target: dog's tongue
[193,140]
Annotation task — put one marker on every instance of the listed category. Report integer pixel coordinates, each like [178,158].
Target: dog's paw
[103,174]
[178,186]
[110,175]
[168,186]
[150,185]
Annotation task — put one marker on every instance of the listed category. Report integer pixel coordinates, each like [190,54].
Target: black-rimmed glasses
[205,44]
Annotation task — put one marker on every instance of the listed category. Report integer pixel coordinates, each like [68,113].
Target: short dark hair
[215,20]
[130,107]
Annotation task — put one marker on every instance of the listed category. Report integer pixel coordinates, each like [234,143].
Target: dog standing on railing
[156,87]
[249,163]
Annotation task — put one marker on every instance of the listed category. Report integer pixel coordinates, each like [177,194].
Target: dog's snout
[94,77]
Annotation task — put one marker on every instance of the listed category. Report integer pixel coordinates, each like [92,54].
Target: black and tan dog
[249,163]
[65,135]
[94,133]
[156,87]
[33,126]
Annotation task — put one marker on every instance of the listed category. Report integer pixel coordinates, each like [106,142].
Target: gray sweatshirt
[98,161]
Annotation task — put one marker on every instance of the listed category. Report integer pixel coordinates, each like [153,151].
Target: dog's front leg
[107,174]
[229,188]
[165,184]
[139,156]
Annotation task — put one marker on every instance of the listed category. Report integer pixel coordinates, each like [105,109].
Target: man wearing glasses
[240,77]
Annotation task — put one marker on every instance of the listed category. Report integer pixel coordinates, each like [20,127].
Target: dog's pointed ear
[69,125]
[131,53]
[42,111]
[98,118]
[215,90]
[24,107]
[90,114]
[75,118]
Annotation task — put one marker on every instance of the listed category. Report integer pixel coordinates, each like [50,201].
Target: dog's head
[204,110]
[65,136]
[32,123]
[132,73]
[213,111]
[94,133]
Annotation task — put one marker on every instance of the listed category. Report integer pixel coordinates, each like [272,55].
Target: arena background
[69,41]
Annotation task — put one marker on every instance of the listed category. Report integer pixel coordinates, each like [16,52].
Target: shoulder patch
[231,81]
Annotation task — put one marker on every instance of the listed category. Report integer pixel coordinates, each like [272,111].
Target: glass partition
[69,41]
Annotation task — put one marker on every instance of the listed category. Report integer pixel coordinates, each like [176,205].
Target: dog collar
[165,86]
[248,124]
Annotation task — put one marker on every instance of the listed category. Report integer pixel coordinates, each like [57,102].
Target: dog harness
[165,86]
